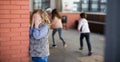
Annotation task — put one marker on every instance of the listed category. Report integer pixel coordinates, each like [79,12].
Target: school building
[15,22]
[95,9]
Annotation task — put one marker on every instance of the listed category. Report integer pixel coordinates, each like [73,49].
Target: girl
[57,26]
[39,46]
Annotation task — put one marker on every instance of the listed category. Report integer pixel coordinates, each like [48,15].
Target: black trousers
[87,37]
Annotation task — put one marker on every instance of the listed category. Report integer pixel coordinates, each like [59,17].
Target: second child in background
[84,30]
[57,27]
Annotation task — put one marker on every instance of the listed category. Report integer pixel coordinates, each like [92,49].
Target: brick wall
[72,17]
[14,30]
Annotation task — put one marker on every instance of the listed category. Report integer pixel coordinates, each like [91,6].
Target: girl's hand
[33,20]
[37,23]
[38,20]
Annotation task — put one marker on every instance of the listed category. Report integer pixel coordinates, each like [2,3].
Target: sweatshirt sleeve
[41,32]
[30,31]
[79,25]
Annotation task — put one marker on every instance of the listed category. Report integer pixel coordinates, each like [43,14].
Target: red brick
[9,25]
[4,39]
[15,51]
[5,34]
[7,7]
[25,25]
[19,55]
[16,38]
[25,50]
[25,7]
[24,59]
[4,48]
[10,43]
[14,7]
[5,44]
[10,34]
[25,33]
[25,16]
[19,2]
[12,60]
[19,20]
[10,52]
[14,16]
[25,43]
[18,47]
[4,57]
[4,2]
[16,56]
[20,38]
[20,29]
[5,16]
[4,21]
[4,30]
[4,11]
[20,12]
[15,34]
[72,18]
[14,29]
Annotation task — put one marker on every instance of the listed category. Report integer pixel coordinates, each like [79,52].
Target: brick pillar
[14,30]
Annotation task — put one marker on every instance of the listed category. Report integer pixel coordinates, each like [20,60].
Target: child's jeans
[87,37]
[40,59]
[60,35]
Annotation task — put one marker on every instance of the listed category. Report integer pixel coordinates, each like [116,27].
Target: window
[44,4]
[89,5]
[103,5]
[94,5]
[84,5]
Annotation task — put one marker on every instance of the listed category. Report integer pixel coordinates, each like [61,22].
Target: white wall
[31,5]
[52,4]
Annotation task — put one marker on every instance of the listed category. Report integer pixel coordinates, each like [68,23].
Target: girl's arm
[53,24]
[41,32]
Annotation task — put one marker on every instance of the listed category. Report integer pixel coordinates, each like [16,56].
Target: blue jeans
[60,35]
[87,37]
[40,59]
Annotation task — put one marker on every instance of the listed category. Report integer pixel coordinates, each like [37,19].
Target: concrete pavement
[72,53]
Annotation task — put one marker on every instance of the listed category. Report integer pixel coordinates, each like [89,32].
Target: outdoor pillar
[14,30]
[58,4]
[112,50]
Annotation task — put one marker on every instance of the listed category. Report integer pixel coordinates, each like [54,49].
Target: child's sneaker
[65,45]
[90,53]
[81,48]
[54,46]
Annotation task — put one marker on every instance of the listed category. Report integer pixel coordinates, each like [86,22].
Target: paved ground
[72,52]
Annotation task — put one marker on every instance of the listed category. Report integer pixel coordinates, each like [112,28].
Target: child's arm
[39,33]
[53,24]
[79,25]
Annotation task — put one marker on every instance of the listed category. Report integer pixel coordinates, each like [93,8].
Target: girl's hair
[55,13]
[43,14]
[83,15]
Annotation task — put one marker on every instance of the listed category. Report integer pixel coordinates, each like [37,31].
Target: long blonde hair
[44,16]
